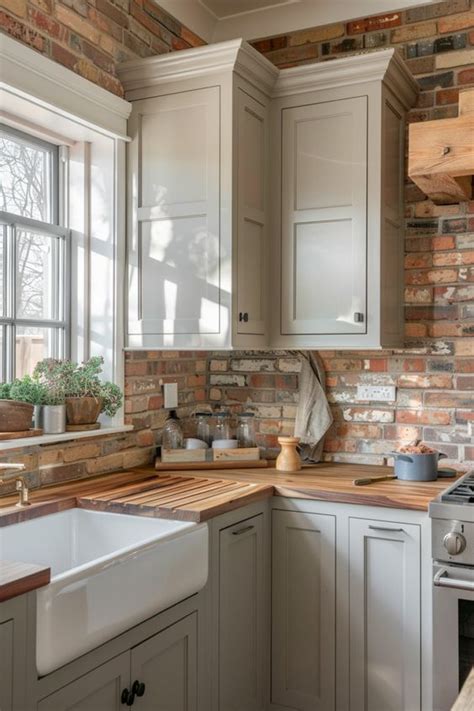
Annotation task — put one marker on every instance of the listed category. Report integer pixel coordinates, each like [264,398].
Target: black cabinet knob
[138,688]
[127,697]
[243,317]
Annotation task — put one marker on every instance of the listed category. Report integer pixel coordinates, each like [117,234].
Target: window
[34,254]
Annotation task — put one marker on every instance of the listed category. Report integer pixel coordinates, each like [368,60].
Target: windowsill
[64,437]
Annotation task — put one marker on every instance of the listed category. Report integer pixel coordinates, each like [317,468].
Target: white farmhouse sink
[108,572]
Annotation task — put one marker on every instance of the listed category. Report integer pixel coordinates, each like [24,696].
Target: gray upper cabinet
[164,668]
[265,207]
[324,218]
[385,615]
[304,611]
[338,142]
[242,617]
[198,208]
[99,690]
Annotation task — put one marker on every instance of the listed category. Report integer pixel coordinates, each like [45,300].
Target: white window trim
[58,99]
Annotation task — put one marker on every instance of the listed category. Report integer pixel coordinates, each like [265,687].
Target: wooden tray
[240,454]
[221,464]
[19,435]
[83,428]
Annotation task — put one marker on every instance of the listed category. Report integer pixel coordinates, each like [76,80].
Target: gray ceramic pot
[416,467]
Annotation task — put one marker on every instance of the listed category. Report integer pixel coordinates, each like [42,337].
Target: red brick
[466,76]
[423,417]
[447,96]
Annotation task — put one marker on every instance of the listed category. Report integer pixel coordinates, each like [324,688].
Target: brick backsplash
[434,373]
[92,36]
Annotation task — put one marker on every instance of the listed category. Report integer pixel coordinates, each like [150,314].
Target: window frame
[10,225]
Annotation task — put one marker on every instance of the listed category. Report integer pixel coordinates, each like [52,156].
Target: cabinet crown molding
[380,65]
[232,56]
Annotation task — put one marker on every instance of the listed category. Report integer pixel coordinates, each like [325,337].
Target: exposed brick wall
[92,36]
[434,374]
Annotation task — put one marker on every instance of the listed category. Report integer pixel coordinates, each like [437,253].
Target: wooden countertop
[19,578]
[204,494]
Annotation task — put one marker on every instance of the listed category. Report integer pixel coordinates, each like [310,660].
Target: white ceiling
[218,20]
[231,8]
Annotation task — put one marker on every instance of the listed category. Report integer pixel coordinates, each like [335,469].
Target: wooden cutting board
[183,498]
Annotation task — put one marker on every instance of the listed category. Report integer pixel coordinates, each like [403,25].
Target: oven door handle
[442,580]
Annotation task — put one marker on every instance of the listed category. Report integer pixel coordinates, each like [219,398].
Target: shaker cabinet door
[324,223]
[174,246]
[252,214]
[242,617]
[304,611]
[385,637]
[166,666]
[99,690]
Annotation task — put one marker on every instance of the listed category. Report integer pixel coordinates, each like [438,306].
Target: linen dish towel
[313,416]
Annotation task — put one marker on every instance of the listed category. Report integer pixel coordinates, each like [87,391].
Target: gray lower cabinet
[303,611]
[166,666]
[12,654]
[99,690]
[241,616]
[6,655]
[160,674]
[385,615]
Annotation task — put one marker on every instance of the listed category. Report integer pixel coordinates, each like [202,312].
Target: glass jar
[222,426]
[203,427]
[172,436]
[246,430]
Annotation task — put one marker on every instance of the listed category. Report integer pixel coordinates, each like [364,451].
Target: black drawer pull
[242,530]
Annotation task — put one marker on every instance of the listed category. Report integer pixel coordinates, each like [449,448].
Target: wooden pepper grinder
[288,460]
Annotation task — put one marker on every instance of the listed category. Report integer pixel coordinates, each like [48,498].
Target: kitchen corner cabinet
[363,643]
[338,134]
[265,206]
[240,611]
[304,611]
[198,204]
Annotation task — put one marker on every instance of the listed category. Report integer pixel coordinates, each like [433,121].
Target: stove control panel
[452,541]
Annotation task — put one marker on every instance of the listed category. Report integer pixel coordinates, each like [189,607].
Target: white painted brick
[289,365]
[367,415]
[289,411]
[228,380]
[268,411]
[252,365]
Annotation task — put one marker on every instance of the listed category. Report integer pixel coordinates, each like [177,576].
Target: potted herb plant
[85,394]
[53,411]
[29,390]
[15,413]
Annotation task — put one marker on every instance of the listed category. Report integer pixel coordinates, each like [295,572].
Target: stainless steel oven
[452,527]
[453,631]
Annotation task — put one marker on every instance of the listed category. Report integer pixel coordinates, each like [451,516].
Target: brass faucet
[20,484]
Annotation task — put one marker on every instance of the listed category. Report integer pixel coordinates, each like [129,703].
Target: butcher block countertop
[201,495]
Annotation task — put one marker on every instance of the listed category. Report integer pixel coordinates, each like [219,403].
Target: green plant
[81,380]
[28,389]
[5,391]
